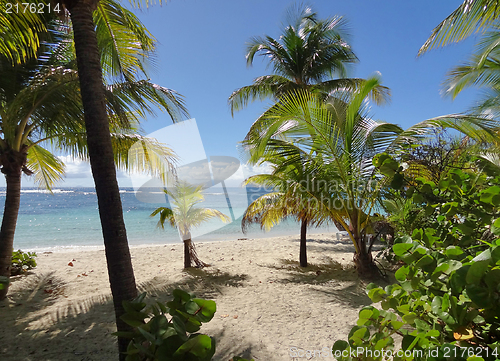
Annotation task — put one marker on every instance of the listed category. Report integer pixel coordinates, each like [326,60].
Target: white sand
[267,306]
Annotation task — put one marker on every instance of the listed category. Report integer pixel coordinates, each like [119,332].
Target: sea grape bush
[169,332]
[22,262]
[447,299]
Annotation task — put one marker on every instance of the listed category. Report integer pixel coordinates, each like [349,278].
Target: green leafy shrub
[169,332]
[22,262]
[446,303]
[4,281]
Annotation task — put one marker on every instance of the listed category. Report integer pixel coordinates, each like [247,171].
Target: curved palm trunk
[303,244]
[365,265]
[191,257]
[363,259]
[120,271]
[9,221]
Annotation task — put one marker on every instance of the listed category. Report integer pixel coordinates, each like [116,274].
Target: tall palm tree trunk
[303,244]
[9,221]
[120,271]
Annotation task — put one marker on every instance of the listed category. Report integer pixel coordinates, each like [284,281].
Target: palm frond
[143,97]
[483,68]
[309,54]
[481,129]
[139,154]
[19,31]
[184,214]
[471,16]
[47,168]
[264,87]
[166,214]
[124,42]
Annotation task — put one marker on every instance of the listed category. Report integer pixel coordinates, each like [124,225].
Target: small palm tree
[481,70]
[184,215]
[287,201]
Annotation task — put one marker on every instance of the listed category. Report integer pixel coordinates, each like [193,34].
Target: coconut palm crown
[184,214]
[310,54]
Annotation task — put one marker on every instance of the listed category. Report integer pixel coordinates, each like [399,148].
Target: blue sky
[201,54]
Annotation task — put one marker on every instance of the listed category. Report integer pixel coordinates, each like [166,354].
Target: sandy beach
[268,308]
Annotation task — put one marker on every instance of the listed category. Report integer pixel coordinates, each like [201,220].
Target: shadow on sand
[82,330]
[339,282]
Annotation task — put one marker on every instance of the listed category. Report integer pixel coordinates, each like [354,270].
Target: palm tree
[471,16]
[41,104]
[286,201]
[335,142]
[308,55]
[100,150]
[98,134]
[184,214]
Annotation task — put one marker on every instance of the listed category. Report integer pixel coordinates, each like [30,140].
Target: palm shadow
[42,330]
[339,282]
[204,282]
[226,348]
[313,273]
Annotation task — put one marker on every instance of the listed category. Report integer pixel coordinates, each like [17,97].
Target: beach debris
[224,316]
[70,264]
[235,317]
[232,259]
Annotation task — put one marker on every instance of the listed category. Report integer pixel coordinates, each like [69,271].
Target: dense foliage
[22,262]
[169,332]
[448,290]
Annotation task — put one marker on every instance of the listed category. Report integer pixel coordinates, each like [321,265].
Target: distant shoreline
[320,233]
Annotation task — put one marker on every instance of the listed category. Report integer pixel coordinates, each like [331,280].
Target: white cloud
[76,168]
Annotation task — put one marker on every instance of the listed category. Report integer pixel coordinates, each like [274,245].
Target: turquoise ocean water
[69,218]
